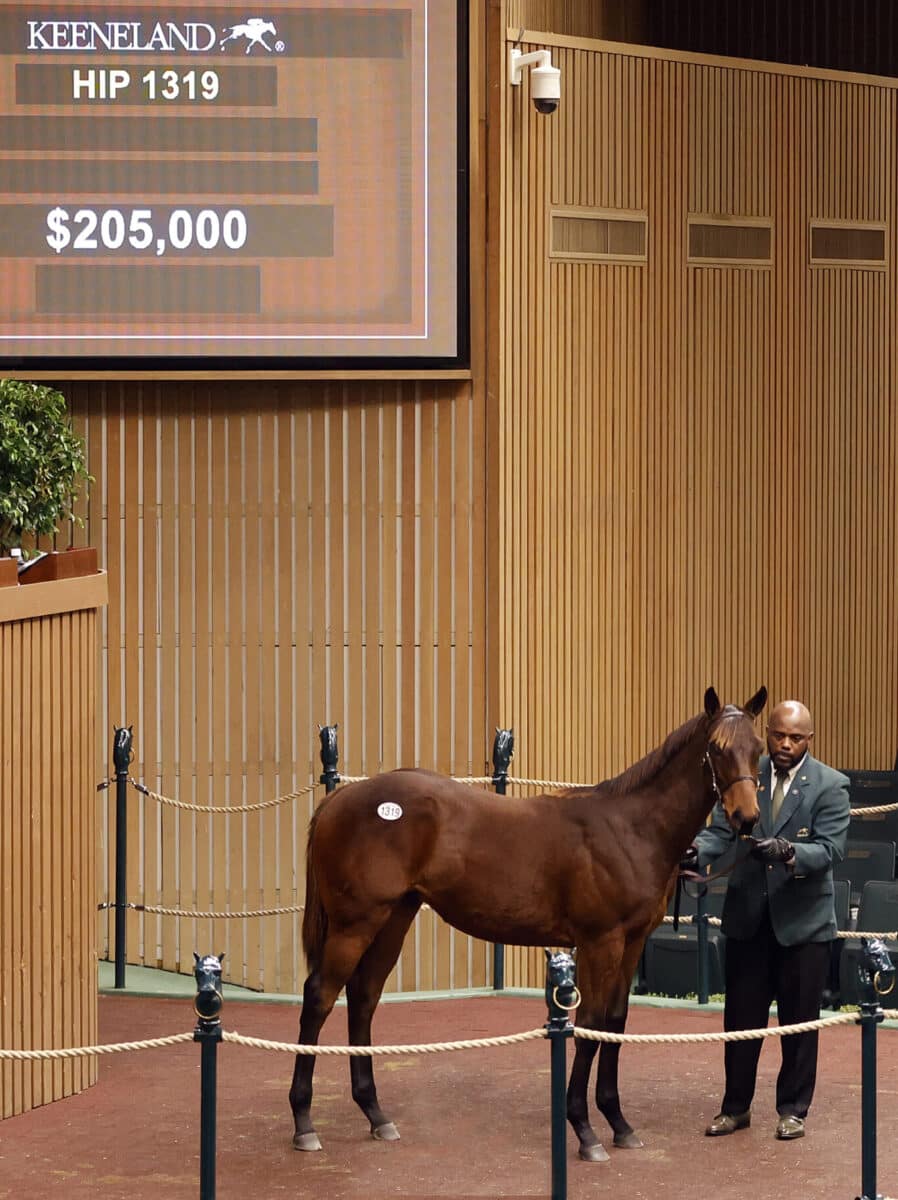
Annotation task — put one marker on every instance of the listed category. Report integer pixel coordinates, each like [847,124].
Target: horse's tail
[314,917]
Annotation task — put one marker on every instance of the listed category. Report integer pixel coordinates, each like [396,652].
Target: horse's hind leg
[363,992]
[607,1092]
[340,956]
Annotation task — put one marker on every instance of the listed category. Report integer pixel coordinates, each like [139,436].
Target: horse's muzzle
[743,825]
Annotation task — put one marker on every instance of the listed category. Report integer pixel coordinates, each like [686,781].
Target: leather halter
[696,876]
[708,762]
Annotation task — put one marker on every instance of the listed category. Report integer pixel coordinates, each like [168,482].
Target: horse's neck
[686,791]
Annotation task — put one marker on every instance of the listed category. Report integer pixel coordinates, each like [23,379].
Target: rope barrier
[840,933]
[422,1048]
[549,784]
[734,1035]
[84,1051]
[220,808]
[182,912]
[511,1039]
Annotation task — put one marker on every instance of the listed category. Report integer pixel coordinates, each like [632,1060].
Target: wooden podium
[48,959]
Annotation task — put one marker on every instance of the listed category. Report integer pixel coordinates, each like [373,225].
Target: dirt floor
[473,1123]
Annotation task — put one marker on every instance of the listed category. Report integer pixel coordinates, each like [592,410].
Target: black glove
[773,849]
[689,861]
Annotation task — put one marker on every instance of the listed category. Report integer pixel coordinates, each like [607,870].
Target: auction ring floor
[474,1123]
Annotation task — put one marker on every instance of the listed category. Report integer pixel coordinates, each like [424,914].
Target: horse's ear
[756,704]
[548,956]
[220,957]
[712,703]
[196,958]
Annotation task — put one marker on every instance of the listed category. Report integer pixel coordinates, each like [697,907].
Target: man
[778,917]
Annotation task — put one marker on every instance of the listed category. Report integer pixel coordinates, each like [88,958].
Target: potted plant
[42,466]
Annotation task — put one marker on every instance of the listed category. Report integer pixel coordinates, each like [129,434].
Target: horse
[586,867]
[254,30]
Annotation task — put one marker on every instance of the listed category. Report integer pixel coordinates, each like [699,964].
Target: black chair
[869,789]
[841,897]
[878,913]
[671,957]
[865,861]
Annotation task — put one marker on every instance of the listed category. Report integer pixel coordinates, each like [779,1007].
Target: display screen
[190,182]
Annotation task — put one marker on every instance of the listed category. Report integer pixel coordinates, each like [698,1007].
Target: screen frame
[206,366]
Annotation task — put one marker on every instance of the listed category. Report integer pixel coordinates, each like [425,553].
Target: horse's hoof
[385,1133]
[306,1141]
[596,1153]
[628,1141]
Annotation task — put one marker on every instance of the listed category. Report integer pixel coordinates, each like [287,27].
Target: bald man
[779,918]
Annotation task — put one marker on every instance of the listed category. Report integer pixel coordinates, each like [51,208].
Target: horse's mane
[722,734]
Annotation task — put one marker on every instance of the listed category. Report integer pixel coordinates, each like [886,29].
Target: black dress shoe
[725,1123]
[788,1128]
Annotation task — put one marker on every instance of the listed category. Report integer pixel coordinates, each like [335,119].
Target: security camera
[545,80]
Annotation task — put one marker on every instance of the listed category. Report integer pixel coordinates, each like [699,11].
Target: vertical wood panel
[296,565]
[735,418]
[47,824]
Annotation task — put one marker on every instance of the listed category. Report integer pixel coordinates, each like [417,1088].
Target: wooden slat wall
[700,478]
[613,20]
[48,960]
[279,556]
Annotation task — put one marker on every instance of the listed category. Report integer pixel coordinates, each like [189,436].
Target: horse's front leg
[596,968]
[607,1093]
[591,1149]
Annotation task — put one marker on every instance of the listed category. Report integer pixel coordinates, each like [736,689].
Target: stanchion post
[121,757]
[561,997]
[875,971]
[207,1006]
[503,749]
[330,777]
[701,923]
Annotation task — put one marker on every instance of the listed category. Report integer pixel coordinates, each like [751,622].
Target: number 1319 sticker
[389,811]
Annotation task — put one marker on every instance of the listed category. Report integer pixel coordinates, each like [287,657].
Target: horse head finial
[503,751]
[121,749]
[875,970]
[562,993]
[208,1001]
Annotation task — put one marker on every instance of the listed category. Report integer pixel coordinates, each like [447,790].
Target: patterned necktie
[779,792]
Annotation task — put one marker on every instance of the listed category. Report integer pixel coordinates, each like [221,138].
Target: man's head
[789,734]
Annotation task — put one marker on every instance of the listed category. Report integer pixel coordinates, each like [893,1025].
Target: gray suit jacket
[814,818]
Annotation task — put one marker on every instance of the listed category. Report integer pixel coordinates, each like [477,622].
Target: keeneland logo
[168,37]
[253,30]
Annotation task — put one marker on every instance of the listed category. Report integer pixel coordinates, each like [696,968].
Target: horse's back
[386,828]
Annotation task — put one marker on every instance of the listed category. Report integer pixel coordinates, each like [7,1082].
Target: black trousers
[757,972]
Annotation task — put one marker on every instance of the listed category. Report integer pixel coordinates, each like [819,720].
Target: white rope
[83,1051]
[735,1035]
[596,1035]
[423,1048]
[873,810]
[183,912]
[221,808]
[549,784]
[668,920]
[840,933]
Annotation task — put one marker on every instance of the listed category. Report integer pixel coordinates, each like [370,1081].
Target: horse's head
[733,752]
